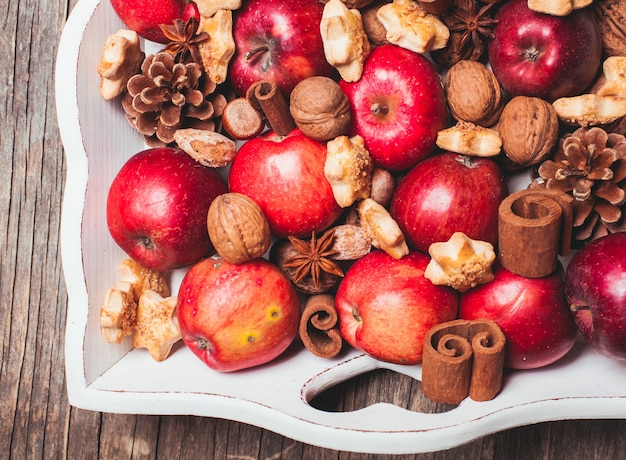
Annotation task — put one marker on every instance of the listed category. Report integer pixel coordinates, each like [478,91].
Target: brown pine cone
[167,96]
[589,164]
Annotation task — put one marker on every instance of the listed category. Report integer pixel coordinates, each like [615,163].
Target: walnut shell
[473,93]
[320,108]
[529,128]
[238,228]
[611,19]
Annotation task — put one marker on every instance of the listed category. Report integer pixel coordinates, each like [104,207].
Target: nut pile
[178,97]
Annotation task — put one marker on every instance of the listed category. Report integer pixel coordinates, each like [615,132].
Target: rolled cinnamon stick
[488,346]
[266,95]
[534,227]
[319,326]
[463,358]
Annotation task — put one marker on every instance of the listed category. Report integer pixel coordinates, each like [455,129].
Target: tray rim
[90,396]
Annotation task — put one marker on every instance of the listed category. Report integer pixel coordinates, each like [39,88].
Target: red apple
[277,40]
[386,306]
[532,313]
[157,207]
[535,54]
[448,193]
[285,176]
[398,106]
[236,316]
[595,286]
[145,16]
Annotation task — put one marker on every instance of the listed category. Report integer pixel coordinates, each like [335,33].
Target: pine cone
[589,164]
[167,96]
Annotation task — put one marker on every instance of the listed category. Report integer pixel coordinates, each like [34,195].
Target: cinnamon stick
[463,358]
[534,227]
[319,326]
[267,96]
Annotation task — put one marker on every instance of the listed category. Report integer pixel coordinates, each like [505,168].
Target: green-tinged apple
[398,106]
[237,316]
[146,16]
[386,306]
[595,285]
[532,313]
[284,175]
[157,208]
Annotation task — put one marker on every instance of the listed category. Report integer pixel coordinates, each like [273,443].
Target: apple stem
[575,307]
[378,109]
[258,50]
[531,54]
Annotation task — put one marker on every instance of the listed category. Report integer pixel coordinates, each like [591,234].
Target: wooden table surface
[36,420]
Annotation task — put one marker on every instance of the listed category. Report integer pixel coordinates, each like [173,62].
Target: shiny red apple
[448,193]
[532,313]
[398,106]
[535,54]
[386,306]
[236,316]
[157,206]
[145,16]
[277,40]
[595,286]
[285,176]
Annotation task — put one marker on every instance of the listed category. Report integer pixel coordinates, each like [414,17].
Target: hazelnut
[473,93]
[238,228]
[529,128]
[320,108]
[374,29]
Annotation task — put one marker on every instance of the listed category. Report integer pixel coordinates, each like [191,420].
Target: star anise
[470,28]
[313,257]
[184,40]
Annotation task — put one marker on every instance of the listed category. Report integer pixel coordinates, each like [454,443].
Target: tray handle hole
[377,386]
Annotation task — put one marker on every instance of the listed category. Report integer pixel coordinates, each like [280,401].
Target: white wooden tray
[116,378]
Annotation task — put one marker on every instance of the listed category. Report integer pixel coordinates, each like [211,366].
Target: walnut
[320,108]
[529,128]
[409,26]
[470,139]
[611,19]
[348,169]
[345,43]
[460,262]
[121,59]
[473,93]
[238,228]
